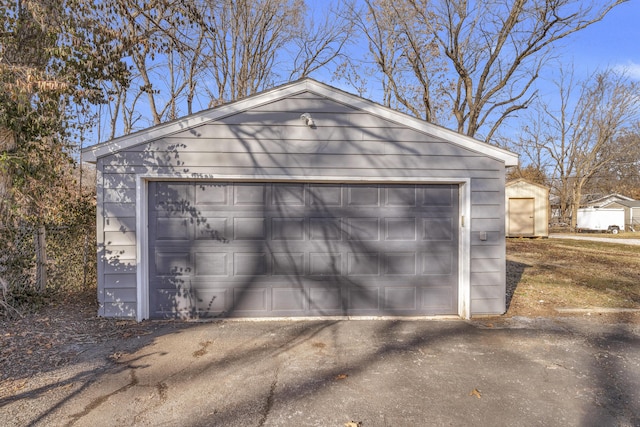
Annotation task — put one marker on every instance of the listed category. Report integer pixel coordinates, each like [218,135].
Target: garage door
[276,249]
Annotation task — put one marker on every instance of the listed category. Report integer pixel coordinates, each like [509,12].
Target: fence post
[41,258]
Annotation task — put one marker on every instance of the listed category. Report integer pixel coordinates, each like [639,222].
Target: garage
[300,201]
[281,249]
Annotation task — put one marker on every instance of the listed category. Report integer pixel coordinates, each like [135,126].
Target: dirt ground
[58,334]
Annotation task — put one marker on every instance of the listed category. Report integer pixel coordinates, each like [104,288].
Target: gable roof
[626,203]
[94,152]
[525,181]
[609,198]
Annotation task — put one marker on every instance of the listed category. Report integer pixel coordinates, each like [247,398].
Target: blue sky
[613,42]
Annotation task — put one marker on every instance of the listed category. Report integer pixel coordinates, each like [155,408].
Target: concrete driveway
[504,372]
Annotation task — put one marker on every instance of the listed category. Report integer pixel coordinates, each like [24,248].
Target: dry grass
[546,274]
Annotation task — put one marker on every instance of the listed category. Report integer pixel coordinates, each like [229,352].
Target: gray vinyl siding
[488,264]
[270,140]
[116,244]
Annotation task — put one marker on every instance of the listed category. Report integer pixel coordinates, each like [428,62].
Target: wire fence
[37,259]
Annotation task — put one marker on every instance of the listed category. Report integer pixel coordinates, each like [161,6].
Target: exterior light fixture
[308,120]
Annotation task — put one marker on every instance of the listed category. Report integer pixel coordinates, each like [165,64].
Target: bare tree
[155,37]
[407,59]
[623,175]
[319,43]
[243,43]
[494,53]
[582,139]
[193,55]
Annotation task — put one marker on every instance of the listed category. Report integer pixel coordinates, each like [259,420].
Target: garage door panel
[249,228]
[363,196]
[363,264]
[250,264]
[173,197]
[396,196]
[172,264]
[287,228]
[170,303]
[288,264]
[289,299]
[437,300]
[400,298]
[364,298]
[400,264]
[261,249]
[402,229]
[211,194]
[325,264]
[249,194]
[363,229]
[250,299]
[323,229]
[437,263]
[212,229]
[212,264]
[436,195]
[173,229]
[188,302]
[325,300]
[434,229]
[325,196]
[288,195]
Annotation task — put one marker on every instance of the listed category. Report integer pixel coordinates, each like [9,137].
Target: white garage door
[276,249]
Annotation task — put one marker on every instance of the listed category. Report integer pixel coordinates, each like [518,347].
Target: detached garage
[300,201]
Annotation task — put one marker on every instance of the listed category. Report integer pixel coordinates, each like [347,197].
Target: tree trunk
[41,259]
[7,144]
[575,204]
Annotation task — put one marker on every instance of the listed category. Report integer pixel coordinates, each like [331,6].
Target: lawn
[546,274]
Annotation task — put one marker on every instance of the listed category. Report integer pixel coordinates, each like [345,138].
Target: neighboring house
[300,201]
[587,201]
[631,213]
[527,209]
[604,201]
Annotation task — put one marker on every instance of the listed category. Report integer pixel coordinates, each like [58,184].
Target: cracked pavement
[520,371]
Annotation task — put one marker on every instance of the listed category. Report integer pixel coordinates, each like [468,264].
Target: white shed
[527,206]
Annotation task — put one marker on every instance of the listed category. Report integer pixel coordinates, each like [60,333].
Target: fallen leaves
[55,336]
[116,356]
[203,349]
[341,376]
[475,392]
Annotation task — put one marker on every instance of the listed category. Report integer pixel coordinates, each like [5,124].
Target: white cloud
[630,69]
